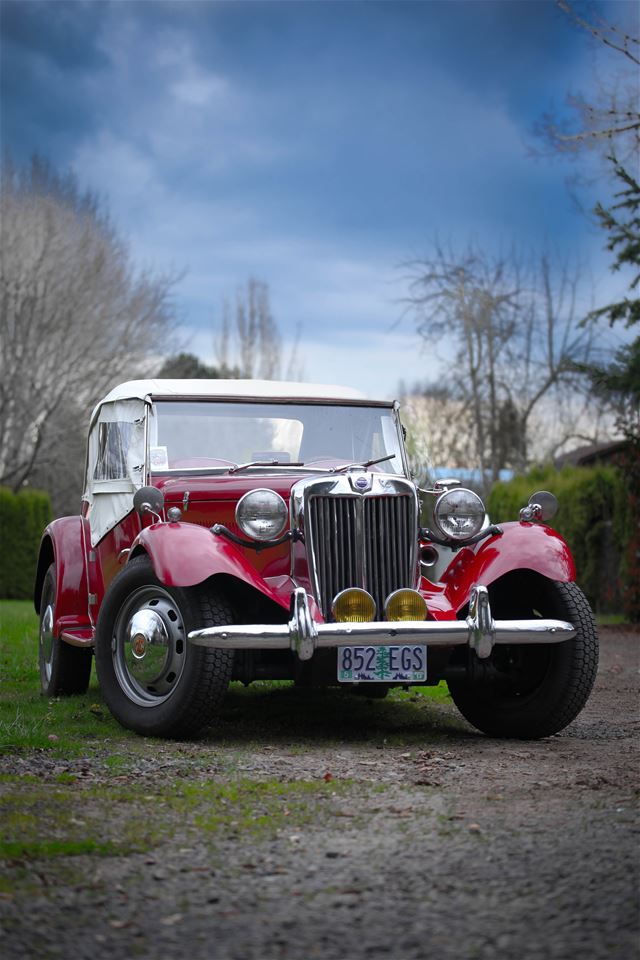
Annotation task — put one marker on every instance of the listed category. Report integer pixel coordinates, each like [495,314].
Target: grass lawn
[67,726]
[75,782]
[29,720]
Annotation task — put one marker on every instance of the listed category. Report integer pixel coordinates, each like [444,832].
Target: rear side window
[113,445]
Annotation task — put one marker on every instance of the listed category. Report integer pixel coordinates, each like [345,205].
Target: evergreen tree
[189,367]
[619,382]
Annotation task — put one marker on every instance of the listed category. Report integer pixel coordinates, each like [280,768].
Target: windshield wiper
[264,463]
[236,468]
[368,463]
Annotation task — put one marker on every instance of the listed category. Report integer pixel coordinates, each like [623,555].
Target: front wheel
[153,680]
[534,691]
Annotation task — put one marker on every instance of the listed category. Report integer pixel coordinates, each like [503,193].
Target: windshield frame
[277,469]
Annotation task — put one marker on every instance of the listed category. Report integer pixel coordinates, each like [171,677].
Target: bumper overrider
[302,635]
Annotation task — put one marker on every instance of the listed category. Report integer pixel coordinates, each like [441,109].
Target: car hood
[224,487]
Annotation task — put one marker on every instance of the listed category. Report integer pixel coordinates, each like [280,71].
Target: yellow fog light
[353,606]
[405,605]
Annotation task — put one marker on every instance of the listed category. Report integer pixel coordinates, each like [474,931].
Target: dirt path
[415,837]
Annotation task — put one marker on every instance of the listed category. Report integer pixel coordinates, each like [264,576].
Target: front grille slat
[391,566]
[361,542]
[396,542]
[348,539]
[326,553]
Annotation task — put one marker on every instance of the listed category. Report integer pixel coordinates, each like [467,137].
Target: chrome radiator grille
[361,542]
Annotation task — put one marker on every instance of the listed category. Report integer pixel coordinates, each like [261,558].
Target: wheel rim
[149,646]
[46,641]
[522,671]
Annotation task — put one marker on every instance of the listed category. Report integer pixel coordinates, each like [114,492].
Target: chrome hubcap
[149,646]
[148,649]
[46,640]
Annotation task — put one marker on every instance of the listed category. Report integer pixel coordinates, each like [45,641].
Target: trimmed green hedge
[594,517]
[23,517]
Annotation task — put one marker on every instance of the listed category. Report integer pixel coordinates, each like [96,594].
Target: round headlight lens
[262,514]
[459,514]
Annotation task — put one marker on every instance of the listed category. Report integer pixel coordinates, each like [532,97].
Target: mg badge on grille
[362,482]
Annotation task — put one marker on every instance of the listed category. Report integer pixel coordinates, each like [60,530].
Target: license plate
[388,664]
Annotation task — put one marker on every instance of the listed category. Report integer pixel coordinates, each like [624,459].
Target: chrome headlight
[459,514]
[262,514]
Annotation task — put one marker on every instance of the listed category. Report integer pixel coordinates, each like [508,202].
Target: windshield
[217,435]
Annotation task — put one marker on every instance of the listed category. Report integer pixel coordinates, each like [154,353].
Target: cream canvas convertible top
[232,389]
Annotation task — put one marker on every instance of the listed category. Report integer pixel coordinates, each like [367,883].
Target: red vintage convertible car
[243,530]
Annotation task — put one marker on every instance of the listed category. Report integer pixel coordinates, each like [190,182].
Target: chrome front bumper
[302,635]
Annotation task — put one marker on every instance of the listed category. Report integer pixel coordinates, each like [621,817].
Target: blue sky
[314,145]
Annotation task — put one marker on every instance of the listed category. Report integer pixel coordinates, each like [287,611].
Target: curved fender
[522,546]
[184,554]
[63,544]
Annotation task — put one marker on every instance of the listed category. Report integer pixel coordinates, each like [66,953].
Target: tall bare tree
[515,339]
[74,317]
[249,339]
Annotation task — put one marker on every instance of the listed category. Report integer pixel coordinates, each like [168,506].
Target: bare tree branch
[611,121]
[604,33]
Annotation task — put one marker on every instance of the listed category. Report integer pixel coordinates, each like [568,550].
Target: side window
[113,445]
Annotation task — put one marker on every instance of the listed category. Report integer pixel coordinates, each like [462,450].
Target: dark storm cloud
[63,33]
[50,54]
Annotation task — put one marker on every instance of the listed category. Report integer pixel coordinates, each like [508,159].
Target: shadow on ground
[291,714]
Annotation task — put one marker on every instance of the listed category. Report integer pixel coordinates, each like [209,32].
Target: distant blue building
[471,478]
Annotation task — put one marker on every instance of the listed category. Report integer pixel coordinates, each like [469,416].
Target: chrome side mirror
[149,500]
[542,506]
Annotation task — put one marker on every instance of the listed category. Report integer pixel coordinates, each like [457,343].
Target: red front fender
[185,554]
[522,546]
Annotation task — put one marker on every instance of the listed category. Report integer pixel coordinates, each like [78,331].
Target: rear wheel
[534,691]
[64,670]
[153,680]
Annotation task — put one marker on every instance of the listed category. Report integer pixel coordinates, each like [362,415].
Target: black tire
[64,670]
[166,687]
[537,689]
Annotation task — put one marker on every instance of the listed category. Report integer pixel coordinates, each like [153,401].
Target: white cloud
[199,89]
[117,169]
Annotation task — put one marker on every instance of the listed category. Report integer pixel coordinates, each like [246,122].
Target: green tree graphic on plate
[381,662]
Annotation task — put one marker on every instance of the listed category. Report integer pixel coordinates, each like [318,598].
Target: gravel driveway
[340,828]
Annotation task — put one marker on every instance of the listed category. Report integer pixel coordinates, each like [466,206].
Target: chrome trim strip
[401,440]
[83,638]
[146,467]
[252,398]
[302,635]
